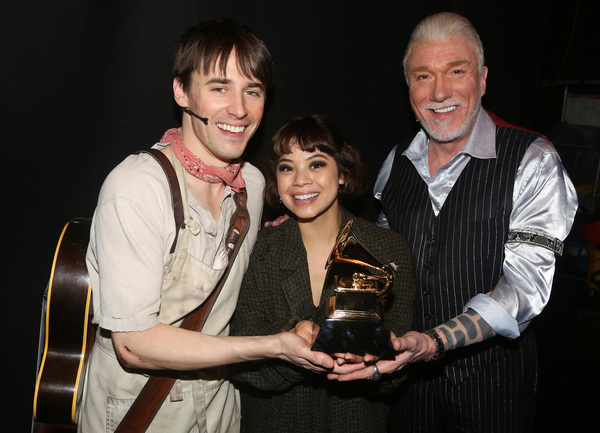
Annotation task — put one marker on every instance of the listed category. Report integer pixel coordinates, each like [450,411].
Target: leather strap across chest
[148,402]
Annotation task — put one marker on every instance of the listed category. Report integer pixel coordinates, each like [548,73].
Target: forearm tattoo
[466,329]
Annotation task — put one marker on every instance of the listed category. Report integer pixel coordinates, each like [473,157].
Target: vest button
[427,265]
[429,240]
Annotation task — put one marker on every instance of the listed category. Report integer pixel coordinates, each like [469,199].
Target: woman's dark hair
[208,44]
[314,132]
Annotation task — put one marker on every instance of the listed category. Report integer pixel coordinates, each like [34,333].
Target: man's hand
[296,348]
[412,347]
[306,330]
[309,331]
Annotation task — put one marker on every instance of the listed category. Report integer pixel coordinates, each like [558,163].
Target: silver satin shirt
[544,201]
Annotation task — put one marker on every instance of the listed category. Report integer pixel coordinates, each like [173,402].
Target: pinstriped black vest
[459,253]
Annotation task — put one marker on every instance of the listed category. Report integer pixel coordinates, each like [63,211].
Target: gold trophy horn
[354,316]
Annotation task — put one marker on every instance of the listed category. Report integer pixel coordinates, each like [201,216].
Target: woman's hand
[411,347]
[277,221]
[350,358]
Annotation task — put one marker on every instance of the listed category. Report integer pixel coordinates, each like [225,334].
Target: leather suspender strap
[176,200]
[157,388]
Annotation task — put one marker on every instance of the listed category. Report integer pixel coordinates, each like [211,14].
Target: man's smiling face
[234,105]
[445,88]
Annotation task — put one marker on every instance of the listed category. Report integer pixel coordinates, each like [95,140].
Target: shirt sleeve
[128,246]
[380,182]
[545,202]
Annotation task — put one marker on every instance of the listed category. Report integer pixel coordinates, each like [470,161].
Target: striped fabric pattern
[458,254]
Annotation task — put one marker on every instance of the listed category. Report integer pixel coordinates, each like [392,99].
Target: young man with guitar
[150,274]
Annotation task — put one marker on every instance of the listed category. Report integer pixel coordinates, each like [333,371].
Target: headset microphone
[191,113]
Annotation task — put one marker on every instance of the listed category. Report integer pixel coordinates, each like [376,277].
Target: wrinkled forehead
[456,50]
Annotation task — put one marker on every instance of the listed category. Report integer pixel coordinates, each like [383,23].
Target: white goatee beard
[452,135]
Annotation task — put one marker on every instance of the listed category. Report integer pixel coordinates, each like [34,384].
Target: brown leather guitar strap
[157,388]
[176,200]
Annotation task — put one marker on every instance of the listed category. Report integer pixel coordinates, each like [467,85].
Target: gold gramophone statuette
[354,316]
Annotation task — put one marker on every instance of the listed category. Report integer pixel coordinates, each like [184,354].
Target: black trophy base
[357,337]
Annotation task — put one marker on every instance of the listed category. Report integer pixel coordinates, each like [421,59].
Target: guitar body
[66,334]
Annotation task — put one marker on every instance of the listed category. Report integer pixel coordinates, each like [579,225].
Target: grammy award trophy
[354,315]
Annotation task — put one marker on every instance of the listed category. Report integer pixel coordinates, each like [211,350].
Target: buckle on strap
[530,237]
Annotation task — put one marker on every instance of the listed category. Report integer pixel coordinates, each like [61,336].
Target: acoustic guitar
[66,333]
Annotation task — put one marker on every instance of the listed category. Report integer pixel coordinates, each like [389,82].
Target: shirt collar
[481,143]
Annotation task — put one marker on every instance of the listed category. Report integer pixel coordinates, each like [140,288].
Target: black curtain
[85,83]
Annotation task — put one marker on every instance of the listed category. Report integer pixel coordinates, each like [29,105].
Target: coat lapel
[294,271]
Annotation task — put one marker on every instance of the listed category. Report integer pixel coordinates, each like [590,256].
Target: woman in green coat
[309,170]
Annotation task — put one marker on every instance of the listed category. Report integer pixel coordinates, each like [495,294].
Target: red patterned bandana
[231,175]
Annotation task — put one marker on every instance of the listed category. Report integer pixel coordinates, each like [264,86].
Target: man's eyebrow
[256,85]
[218,80]
[418,69]
[223,80]
[459,63]
[453,64]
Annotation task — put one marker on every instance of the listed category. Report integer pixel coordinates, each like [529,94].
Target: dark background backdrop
[85,83]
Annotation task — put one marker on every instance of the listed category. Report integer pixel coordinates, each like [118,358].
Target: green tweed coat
[279,397]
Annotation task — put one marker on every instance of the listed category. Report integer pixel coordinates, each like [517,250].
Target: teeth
[231,128]
[445,110]
[306,196]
